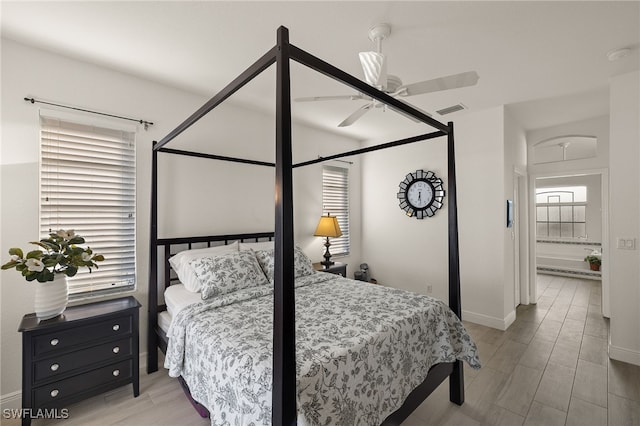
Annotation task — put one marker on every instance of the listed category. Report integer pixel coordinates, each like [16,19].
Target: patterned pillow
[180,263]
[228,272]
[301,263]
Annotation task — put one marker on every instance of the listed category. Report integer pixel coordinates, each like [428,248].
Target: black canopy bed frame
[284,355]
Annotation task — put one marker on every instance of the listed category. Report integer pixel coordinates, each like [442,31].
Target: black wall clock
[421,194]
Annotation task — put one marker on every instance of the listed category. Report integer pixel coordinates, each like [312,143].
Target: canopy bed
[284,384]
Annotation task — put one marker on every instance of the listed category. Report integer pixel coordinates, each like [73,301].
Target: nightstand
[337,268]
[88,350]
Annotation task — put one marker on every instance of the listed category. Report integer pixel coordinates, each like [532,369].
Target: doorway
[567,225]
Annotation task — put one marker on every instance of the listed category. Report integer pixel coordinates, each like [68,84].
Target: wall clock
[421,194]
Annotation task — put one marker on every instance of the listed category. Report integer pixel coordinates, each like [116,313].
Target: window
[565,148]
[87,183]
[561,212]
[335,201]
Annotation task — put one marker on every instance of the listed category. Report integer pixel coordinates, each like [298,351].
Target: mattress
[360,349]
[164,321]
[176,297]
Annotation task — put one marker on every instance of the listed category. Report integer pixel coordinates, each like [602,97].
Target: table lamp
[328,227]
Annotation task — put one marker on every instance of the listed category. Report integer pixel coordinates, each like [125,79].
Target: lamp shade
[328,227]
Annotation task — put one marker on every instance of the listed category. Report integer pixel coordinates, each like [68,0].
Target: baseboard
[493,322]
[568,272]
[624,355]
[11,401]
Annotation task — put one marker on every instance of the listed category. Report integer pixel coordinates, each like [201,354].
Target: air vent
[451,109]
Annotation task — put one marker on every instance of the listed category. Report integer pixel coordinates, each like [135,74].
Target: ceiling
[545,60]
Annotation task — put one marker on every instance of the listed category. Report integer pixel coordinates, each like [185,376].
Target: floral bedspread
[361,349]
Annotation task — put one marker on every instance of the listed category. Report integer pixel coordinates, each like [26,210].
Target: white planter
[51,297]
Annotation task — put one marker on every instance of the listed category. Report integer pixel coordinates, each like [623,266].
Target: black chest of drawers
[88,350]
[337,268]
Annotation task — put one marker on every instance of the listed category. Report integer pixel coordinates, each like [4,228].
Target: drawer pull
[54,367]
[54,342]
[116,327]
[116,350]
[116,373]
[54,393]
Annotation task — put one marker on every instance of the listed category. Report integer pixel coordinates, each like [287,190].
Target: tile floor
[549,368]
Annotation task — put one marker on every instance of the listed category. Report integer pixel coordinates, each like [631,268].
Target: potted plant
[61,257]
[594,262]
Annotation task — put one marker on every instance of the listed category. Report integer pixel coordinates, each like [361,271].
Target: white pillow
[180,263]
[228,272]
[262,245]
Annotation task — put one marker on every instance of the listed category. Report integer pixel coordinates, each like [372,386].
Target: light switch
[626,243]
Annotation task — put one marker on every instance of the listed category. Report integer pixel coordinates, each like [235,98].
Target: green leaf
[39,243]
[76,240]
[35,254]
[76,251]
[10,265]
[97,258]
[16,251]
[49,261]
[71,270]
[48,244]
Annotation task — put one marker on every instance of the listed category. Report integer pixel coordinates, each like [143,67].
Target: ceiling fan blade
[374,65]
[454,81]
[356,115]
[330,98]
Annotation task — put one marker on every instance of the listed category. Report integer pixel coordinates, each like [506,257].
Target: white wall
[624,154]
[412,254]
[233,197]
[403,252]
[482,201]
[224,198]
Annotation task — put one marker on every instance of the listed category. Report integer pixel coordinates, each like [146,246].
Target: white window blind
[335,201]
[87,184]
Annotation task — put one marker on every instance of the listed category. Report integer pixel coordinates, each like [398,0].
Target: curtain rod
[145,123]
[342,161]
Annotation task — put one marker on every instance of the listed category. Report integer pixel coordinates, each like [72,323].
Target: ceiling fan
[374,65]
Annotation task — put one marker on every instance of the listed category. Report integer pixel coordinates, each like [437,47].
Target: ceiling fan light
[374,65]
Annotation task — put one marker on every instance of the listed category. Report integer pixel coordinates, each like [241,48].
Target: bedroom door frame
[604,195]
[520,238]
